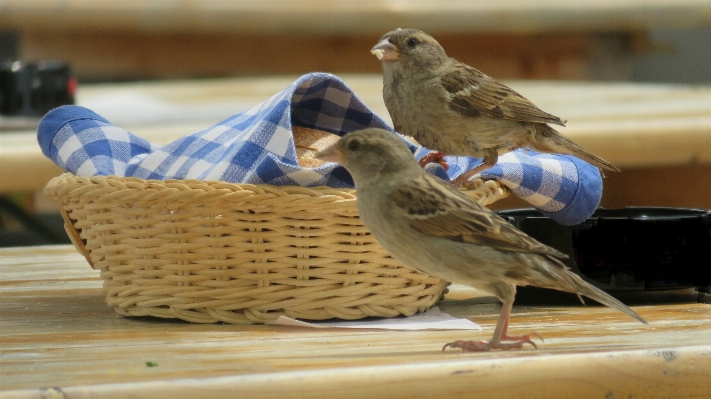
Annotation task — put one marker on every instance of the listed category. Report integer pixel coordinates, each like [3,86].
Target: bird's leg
[500,334]
[526,338]
[434,157]
[490,159]
[464,177]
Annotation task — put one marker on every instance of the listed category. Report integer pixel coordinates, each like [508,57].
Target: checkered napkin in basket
[257,147]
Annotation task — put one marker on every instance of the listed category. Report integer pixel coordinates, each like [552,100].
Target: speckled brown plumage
[431,227]
[456,109]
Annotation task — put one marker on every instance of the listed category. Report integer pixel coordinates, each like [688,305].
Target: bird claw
[525,338]
[484,346]
[462,179]
[468,346]
[515,345]
[434,157]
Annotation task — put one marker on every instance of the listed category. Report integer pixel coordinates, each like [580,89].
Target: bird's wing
[434,207]
[473,94]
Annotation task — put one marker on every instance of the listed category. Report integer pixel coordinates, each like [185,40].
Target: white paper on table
[433,319]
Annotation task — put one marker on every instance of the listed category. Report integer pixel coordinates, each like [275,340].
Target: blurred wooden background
[169,55]
[539,39]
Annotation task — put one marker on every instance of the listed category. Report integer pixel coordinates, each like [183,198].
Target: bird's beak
[330,154]
[385,51]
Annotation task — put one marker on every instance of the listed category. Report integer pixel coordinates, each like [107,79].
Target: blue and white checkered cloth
[257,146]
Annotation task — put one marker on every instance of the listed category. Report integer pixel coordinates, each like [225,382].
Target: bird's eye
[354,145]
[412,42]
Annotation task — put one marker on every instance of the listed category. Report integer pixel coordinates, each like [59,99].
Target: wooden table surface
[57,337]
[630,125]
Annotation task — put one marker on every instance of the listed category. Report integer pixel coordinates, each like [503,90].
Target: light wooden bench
[660,135]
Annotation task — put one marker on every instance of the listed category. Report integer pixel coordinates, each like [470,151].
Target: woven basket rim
[122,182]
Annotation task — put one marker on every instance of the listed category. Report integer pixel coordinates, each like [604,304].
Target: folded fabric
[257,146]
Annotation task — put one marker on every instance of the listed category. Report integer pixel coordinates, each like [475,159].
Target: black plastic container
[33,89]
[637,254]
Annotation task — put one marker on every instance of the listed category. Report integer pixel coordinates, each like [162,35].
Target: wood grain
[57,332]
[112,55]
[675,186]
[371,16]
[200,38]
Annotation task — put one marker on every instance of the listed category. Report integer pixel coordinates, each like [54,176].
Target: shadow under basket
[211,252]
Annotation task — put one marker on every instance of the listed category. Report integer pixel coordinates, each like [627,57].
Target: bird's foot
[468,346]
[526,338]
[483,346]
[462,179]
[434,157]
[515,345]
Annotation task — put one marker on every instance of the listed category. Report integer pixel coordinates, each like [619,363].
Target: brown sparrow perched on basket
[452,108]
[429,226]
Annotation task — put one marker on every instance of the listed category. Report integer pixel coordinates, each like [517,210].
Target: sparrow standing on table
[431,227]
[452,108]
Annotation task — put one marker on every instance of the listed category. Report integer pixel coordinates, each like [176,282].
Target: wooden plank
[22,165]
[674,186]
[631,124]
[135,55]
[599,375]
[684,186]
[634,126]
[58,332]
[669,186]
[369,16]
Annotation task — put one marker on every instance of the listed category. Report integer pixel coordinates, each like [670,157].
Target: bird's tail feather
[552,141]
[578,286]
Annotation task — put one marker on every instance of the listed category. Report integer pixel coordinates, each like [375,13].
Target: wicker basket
[238,253]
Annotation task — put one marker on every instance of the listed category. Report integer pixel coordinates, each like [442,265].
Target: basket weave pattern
[238,253]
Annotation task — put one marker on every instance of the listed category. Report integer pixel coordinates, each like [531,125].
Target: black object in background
[632,253]
[9,44]
[19,228]
[33,89]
